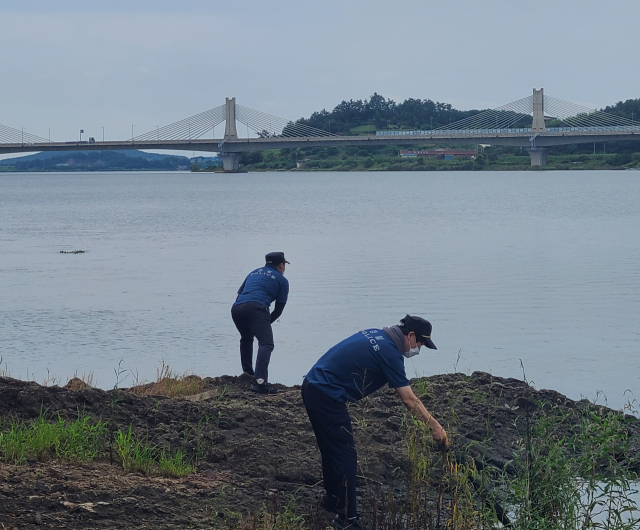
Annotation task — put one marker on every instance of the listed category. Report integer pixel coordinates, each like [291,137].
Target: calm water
[532,266]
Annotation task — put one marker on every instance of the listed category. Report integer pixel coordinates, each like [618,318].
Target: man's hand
[411,401]
[440,437]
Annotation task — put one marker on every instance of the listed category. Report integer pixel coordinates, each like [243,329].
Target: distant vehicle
[92,140]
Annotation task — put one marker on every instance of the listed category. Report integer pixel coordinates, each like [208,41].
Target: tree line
[94,161]
[379,113]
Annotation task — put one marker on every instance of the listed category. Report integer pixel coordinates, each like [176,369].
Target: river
[536,269]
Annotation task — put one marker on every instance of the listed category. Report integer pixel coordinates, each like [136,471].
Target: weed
[361,423]
[78,440]
[81,440]
[573,478]
[174,466]
[423,388]
[4,371]
[479,397]
[50,379]
[120,375]
[169,383]
[270,517]
[135,456]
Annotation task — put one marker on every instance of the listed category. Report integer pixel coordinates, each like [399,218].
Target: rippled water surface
[538,267]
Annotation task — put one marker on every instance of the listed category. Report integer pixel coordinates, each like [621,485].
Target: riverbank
[388,159]
[254,455]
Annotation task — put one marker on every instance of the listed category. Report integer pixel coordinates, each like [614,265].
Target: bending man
[351,370]
[251,315]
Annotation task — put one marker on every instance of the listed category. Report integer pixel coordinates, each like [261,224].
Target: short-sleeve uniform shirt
[358,366]
[263,285]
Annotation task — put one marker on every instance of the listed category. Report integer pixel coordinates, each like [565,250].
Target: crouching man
[351,370]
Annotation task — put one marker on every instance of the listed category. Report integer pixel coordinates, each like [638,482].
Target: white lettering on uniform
[372,341]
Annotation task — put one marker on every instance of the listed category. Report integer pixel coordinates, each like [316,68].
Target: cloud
[83,64]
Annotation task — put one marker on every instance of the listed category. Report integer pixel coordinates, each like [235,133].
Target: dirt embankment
[253,449]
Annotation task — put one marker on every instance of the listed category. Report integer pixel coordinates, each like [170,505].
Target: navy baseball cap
[275,258]
[422,329]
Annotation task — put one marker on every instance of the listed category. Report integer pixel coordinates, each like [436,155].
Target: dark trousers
[332,426]
[254,320]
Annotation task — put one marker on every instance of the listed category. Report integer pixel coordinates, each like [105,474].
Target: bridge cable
[10,135]
[191,128]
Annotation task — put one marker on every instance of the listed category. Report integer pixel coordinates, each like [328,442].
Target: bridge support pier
[538,156]
[231,161]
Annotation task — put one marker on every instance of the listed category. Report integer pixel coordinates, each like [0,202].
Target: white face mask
[412,351]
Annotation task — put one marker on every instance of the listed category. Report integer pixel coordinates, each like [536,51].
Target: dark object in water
[72,252]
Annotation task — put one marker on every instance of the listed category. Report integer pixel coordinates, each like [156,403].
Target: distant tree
[252,157]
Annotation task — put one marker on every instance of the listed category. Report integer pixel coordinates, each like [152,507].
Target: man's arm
[277,311]
[416,407]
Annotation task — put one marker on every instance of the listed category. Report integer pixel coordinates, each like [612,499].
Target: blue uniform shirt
[358,366]
[263,285]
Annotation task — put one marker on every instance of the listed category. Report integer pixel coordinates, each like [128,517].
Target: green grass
[42,440]
[174,465]
[84,440]
[134,455]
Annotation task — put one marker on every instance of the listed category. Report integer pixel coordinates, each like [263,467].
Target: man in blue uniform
[351,370]
[251,315]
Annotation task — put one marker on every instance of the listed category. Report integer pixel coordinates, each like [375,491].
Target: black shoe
[351,523]
[248,371]
[262,388]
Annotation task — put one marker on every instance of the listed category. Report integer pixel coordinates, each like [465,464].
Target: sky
[117,66]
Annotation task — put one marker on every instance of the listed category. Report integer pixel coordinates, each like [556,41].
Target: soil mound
[252,449]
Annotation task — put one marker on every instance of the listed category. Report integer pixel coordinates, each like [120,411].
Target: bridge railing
[482,132]
[456,132]
[613,128]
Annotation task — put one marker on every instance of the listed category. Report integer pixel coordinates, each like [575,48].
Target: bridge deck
[509,137]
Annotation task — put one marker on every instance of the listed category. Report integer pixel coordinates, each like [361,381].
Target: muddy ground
[254,450]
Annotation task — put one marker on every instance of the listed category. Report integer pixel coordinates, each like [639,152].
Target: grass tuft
[82,441]
[170,384]
[42,440]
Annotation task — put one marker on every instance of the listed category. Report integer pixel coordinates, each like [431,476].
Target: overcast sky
[69,65]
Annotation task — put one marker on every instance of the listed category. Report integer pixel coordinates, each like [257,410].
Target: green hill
[95,161]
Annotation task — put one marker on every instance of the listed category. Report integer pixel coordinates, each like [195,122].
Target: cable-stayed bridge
[536,123]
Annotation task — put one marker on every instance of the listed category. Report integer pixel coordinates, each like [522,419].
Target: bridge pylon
[230,161]
[538,125]
[230,131]
[538,154]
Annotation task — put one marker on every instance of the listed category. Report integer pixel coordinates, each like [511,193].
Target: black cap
[422,329]
[275,258]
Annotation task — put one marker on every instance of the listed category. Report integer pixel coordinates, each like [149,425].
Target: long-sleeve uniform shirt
[264,285]
[358,366]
